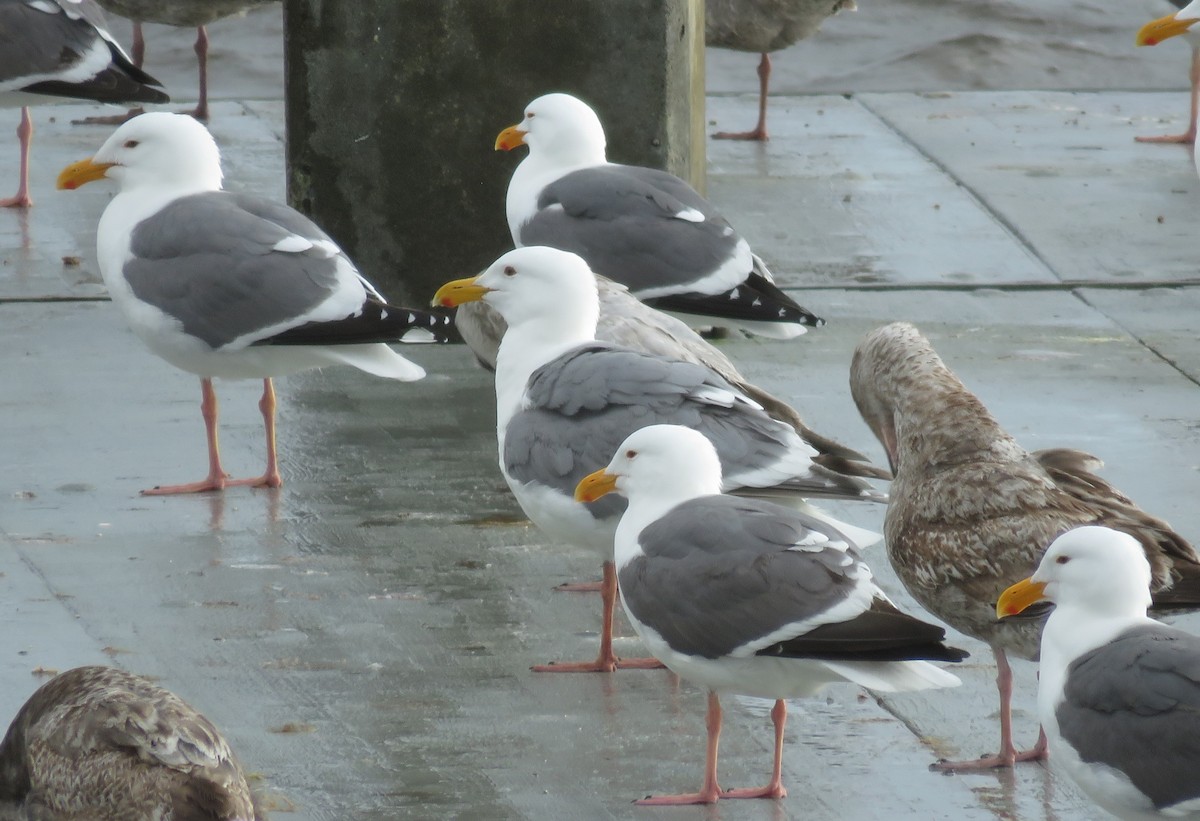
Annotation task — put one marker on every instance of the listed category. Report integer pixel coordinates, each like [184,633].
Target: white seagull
[61,48]
[642,227]
[231,285]
[565,401]
[745,596]
[1118,692]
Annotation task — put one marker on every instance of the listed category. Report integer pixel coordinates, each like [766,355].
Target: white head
[1097,569]
[159,149]
[538,285]
[560,129]
[668,463]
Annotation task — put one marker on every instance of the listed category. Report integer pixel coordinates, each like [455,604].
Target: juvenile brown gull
[970,511]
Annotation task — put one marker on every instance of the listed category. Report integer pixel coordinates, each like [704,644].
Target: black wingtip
[377,322]
[756,299]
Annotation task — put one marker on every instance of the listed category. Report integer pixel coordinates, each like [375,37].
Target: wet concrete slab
[364,634]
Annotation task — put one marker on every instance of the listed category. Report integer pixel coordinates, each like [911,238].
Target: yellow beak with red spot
[594,486]
[455,293]
[1164,28]
[510,138]
[81,173]
[1020,597]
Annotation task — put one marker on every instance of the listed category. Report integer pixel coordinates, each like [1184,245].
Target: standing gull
[1178,22]
[60,48]
[744,596]
[191,13]
[642,227]
[970,511]
[231,285]
[100,744]
[1118,693]
[764,26]
[564,402]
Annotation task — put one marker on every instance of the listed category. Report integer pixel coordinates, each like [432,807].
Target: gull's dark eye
[131,143]
[1062,560]
[629,454]
[509,271]
[529,115]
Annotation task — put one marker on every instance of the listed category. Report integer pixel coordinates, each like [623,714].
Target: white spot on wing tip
[691,215]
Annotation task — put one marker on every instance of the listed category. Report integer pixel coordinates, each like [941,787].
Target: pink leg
[710,791]
[138,49]
[606,661]
[774,788]
[1008,754]
[201,49]
[759,134]
[216,476]
[25,135]
[1188,137]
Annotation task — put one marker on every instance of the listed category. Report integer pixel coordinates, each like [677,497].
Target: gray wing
[719,573]
[622,220]
[582,405]
[208,261]
[1134,704]
[39,41]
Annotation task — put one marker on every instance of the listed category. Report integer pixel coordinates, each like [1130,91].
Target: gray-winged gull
[565,401]
[231,285]
[970,511]
[645,228]
[745,596]
[101,744]
[61,48]
[191,13]
[764,26]
[1118,693]
[1177,23]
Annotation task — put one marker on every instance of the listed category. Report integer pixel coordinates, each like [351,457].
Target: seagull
[745,596]
[970,511]
[564,401]
[101,744]
[1175,24]
[231,285]
[192,13]
[764,26]
[61,48]
[1118,693]
[642,227]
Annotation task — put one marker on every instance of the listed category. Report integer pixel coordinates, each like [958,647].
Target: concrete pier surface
[364,634]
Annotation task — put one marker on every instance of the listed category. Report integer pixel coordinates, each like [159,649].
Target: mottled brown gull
[970,511]
[100,744]
[764,26]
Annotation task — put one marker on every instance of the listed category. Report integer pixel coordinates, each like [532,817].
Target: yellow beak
[81,173]
[1020,597]
[457,292]
[1164,28]
[595,485]
[509,138]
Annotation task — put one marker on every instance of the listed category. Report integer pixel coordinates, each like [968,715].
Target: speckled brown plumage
[101,744]
[970,511]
